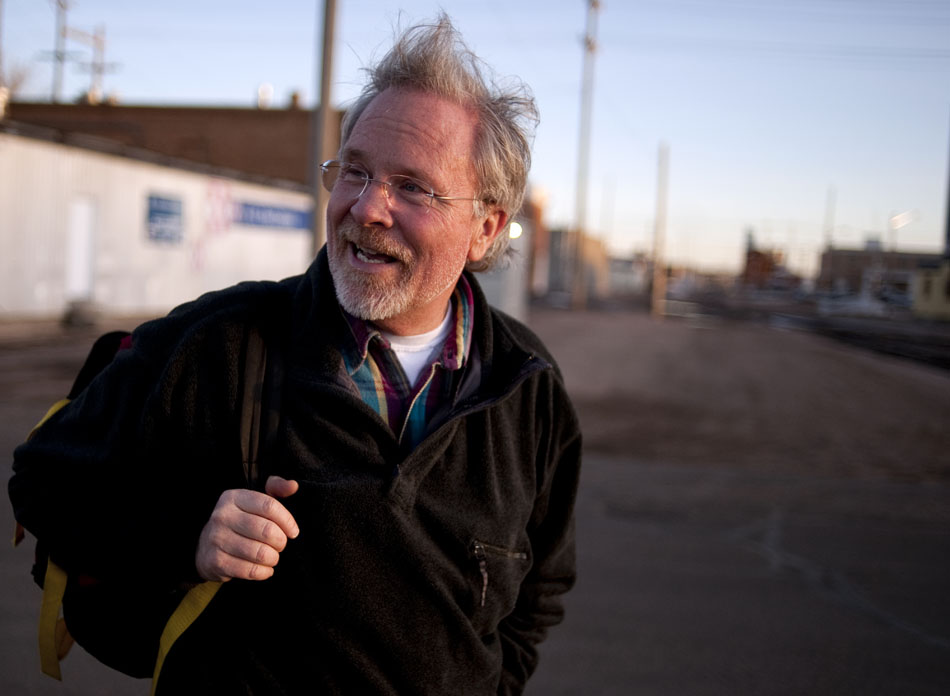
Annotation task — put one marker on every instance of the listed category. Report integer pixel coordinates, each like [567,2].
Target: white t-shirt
[416,353]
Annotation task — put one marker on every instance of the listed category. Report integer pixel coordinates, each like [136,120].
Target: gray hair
[433,58]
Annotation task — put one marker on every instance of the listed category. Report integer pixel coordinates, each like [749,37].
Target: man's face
[394,263]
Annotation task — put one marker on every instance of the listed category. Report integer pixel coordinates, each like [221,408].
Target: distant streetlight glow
[515,230]
[904,219]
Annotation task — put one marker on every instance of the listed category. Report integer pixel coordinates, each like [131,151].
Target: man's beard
[366,295]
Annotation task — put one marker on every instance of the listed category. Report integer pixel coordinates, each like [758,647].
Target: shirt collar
[457,343]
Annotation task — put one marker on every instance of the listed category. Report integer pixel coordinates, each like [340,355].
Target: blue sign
[165,222]
[271,216]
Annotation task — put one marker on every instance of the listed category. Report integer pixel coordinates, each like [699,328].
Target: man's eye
[413,187]
[348,171]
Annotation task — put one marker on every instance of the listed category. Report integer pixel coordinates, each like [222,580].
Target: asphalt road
[706,567]
[701,583]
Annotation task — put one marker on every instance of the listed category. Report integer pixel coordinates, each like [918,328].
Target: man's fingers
[224,553]
[269,509]
[232,544]
[258,529]
[246,533]
[223,568]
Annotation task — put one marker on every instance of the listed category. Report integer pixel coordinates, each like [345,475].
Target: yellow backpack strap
[49,414]
[54,639]
[251,424]
[252,394]
[18,532]
[189,609]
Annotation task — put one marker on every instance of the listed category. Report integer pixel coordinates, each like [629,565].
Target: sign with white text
[165,221]
[271,216]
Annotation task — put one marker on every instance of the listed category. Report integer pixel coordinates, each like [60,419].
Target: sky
[798,121]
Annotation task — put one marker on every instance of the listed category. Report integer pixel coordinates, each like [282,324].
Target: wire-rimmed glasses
[352,180]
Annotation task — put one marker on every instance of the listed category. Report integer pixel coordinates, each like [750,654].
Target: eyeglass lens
[397,187]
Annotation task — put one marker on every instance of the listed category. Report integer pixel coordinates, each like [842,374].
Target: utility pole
[3,81]
[830,200]
[321,120]
[97,41]
[658,298]
[59,51]
[829,215]
[579,282]
[946,229]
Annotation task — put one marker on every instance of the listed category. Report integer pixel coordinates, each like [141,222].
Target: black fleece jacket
[436,571]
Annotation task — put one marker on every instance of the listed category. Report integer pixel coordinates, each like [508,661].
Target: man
[415,532]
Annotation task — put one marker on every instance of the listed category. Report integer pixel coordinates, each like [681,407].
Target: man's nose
[384,186]
[373,206]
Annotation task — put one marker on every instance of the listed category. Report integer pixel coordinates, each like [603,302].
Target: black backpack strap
[260,414]
[252,394]
[260,405]
[102,353]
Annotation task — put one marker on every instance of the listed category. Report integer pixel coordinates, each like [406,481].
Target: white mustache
[373,240]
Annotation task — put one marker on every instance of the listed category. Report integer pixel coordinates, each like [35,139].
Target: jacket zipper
[412,404]
[481,551]
[531,366]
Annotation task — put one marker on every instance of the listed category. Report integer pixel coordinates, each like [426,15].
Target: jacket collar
[496,358]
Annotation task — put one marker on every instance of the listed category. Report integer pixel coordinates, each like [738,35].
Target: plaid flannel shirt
[377,375]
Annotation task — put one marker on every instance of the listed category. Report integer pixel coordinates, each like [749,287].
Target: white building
[93,225]
[130,236]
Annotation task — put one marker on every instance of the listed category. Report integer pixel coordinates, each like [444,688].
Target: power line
[97,66]
[883,13]
[708,45]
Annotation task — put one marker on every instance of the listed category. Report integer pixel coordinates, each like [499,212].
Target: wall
[506,287]
[845,269]
[932,292]
[273,143]
[130,236]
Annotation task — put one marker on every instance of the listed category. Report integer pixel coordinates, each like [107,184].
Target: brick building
[136,208]
[871,269]
[269,143]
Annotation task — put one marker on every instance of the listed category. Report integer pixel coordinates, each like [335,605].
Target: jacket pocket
[500,568]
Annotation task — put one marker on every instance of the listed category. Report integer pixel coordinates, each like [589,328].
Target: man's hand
[246,533]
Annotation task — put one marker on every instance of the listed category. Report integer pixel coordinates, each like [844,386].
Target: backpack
[125,625]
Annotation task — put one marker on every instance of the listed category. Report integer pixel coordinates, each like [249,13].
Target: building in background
[85,230]
[134,209]
[872,271]
[932,291]
[932,283]
[765,269]
[594,275]
[631,278]
[261,142]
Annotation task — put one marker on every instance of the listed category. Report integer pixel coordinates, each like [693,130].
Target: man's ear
[489,230]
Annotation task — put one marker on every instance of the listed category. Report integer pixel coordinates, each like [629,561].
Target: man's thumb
[280,487]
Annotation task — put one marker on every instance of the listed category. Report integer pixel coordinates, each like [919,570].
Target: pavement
[762,511]
[707,583]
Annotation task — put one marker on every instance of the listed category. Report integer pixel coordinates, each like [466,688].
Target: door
[80,250]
